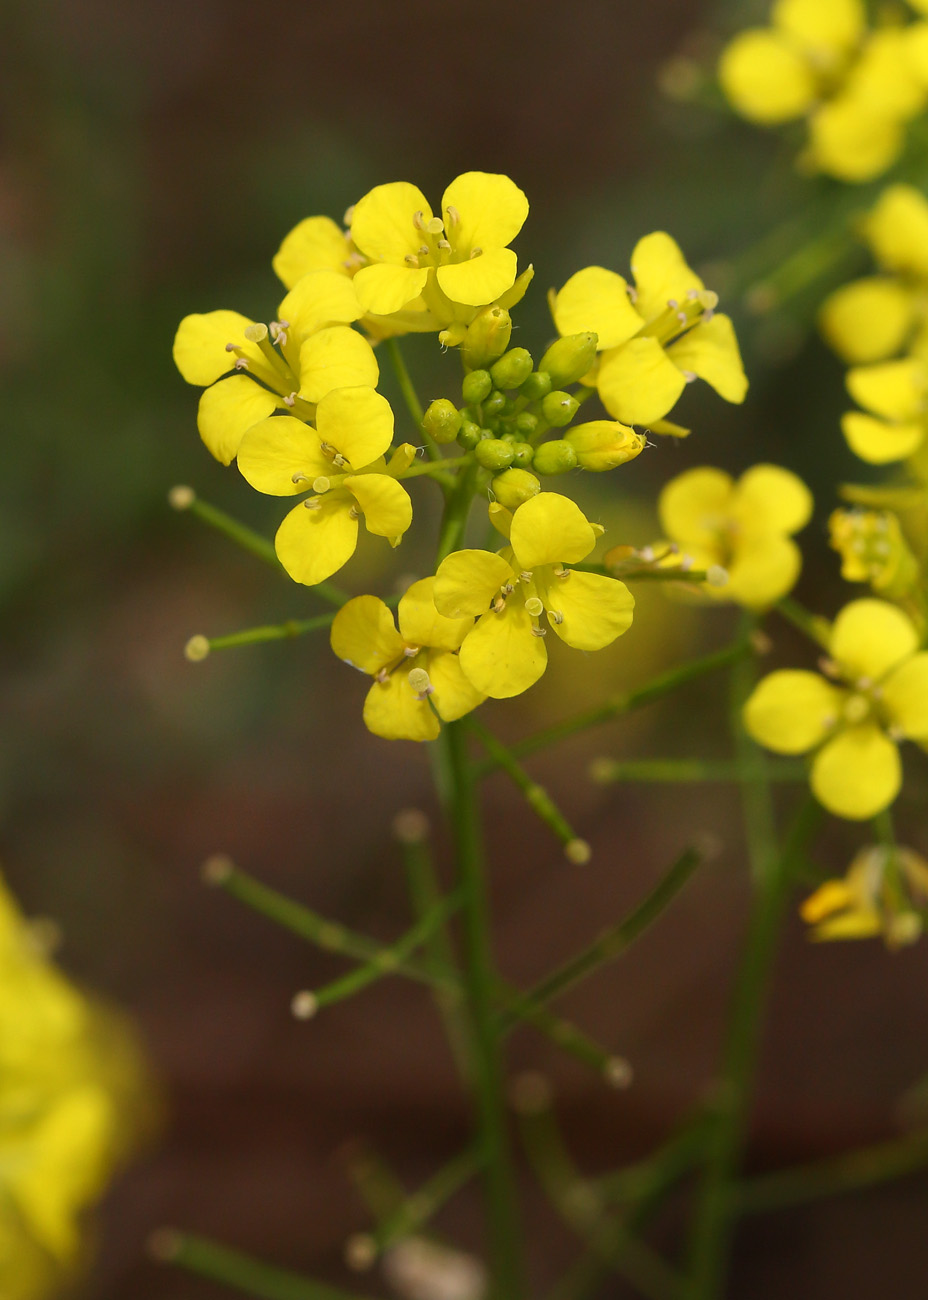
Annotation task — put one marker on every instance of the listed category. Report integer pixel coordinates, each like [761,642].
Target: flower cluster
[884,892]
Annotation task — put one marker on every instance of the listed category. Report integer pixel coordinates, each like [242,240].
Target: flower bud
[537,386]
[512,370]
[873,549]
[515,486]
[604,444]
[494,453]
[476,386]
[469,435]
[442,420]
[495,403]
[486,338]
[568,359]
[524,454]
[525,424]
[554,457]
[559,408]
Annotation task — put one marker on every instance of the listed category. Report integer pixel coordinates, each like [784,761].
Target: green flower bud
[495,403]
[442,420]
[469,435]
[486,338]
[524,453]
[604,444]
[554,457]
[494,453]
[525,424]
[568,359]
[559,408]
[514,487]
[537,386]
[476,386]
[512,370]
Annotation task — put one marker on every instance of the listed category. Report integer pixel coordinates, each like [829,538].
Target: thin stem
[231,1268]
[685,771]
[457,508]
[199,647]
[416,1210]
[817,629]
[410,396]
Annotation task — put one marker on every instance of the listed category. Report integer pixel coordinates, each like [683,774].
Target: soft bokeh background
[154,156]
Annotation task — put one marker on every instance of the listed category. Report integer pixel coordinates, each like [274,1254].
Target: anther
[241,363]
[304,1005]
[354,513]
[475,252]
[499,605]
[444,245]
[556,616]
[411,260]
[507,588]
[290,399]
[692,294]
[231,347]
[339,460]
[382,676]
[423,250]
[672,302]
[689,375]
[312,503]
[632,292]
[299,477]
[646,554]
[256,333]
[452,216]
[526,575]
[349,216]
[708,314]
[410,651]
[682,317]
[419,220]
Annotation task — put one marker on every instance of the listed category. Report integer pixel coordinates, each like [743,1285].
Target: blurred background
[154,155]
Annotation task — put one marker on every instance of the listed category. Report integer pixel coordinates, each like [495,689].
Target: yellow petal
[467,581]
[357,422]
[897,230]
[850,140]
[661,274]
[878,442]
[200,345]
[480,279]
[832,896]
[421,624]
[550,529]
[274,451]
[227,410]
[383,225]
[393,710]
[316,244]
[491,210]
[502,657]
[861,923]
[768,497]
[365,636]
[320,298]
[791,711]
[454,695]
[336,357]
[869,637]
[892,389]
[857,773]
[905,697]
[387,287]
[314,544]
[597,299]
[384,503]
[695,507]
[763,568]
[884,77]
[637,382]
[821,27]
[765,78]
[512,297]
[710,350]
[593,609]
[868,319]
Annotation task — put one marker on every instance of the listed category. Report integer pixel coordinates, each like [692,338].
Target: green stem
[816,628]
[293,627]
[410,396]
[503,1237]
[457,508]
[684,771]
[233,1269]
[415,1211]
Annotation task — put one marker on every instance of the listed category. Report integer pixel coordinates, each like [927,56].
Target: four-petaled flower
[885,891]
[893,424]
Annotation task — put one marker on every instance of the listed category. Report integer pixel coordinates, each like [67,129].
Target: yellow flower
[742,527]
[315,244]
[417,675]
[249,369]
[873,549]
[341,460]
[459,258]
[878,695]
[885,892]
[508,592]
[655,336]
[893,392]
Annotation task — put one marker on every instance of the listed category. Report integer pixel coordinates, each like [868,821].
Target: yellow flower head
[460,258]
[655,336]
[249,369]
[877,695]
[509,591]
[416,670]
[744,527]
[885,892]
[873,549]
[893,394]
[341,461]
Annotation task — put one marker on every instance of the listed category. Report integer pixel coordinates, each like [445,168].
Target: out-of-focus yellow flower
[892,426]
[878,695]
[508,592]
[416,671]
[885,892]
[341,461]
[744,527]
[655,336]
[873,550]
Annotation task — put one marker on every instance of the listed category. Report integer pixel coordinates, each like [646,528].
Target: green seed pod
[554,457]
[525,424]
[524,454]
[568,359]
[537,385]
[514,487]
[512,370]
[604,444]
[495,403]
[559,408]
[486,338]
[476,386]
[468,435]
[494,453]
[442,420]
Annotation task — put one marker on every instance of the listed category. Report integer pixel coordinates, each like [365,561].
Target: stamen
[632,292]
[526,575]
[452,216]
[444,245]
[475,252]
[418,220]
[539,631]
[339,460]
[411,260]
[424,250]
[354,513]
[232,347]
[241,363]
[349,216]
[673,302]
[689,375]
[290,399]
[410,651]
[507,588]
[312,503]
[382,676]
[498,605]
[300,477]
[556,616]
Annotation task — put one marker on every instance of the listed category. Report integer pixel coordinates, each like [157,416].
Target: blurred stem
[410,396]
[416,1210]
[685,771]
[503,1236]
[293,627]
[816,628]
[233,1269]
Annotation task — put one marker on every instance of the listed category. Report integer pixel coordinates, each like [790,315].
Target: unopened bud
[304,1005]
[578,852]
[537,386]
[181,497]
[524,455]
[476,386]
[568,359]
[495,404]
[514,486]
[469,435]
[512,369]
[442,421]
[604,444]
[873,549]
[494,453]
[525,424]
[559,408]
[196,649]
[486,338]
[554,457]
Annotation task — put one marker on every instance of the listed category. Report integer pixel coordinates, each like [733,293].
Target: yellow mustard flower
[874,550]
[416,671]
[878,695]
[744,527]
[250,369]
[892,426]
[885,892]
[654,336]
[315,244]
[459,258]
[508,591]
[341,460]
